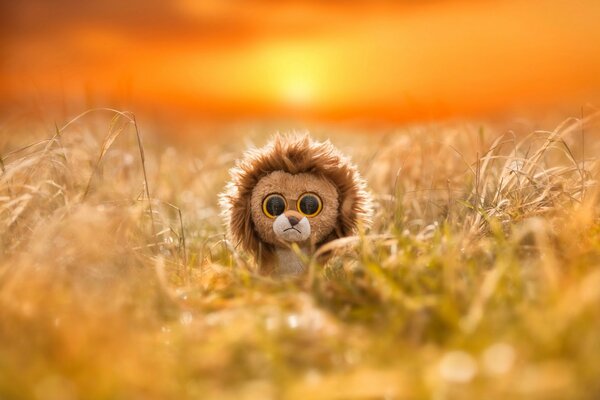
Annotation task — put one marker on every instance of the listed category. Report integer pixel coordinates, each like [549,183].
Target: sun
[298,91]
[293,74]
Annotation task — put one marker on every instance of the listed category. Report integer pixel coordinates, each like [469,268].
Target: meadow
[480,277]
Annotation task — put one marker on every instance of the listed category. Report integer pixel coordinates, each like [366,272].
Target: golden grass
[480,278]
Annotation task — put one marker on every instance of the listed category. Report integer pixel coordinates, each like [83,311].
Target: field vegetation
[480,277]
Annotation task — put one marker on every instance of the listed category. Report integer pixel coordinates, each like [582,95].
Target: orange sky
[391,60]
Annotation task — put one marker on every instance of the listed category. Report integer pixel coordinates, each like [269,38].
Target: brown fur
[293,155]
[291,187]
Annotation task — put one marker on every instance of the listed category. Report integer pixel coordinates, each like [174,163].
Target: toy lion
[293,190]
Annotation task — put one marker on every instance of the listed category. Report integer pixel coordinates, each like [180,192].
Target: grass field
[480,278]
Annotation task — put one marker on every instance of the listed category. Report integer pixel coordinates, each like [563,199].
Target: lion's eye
[274,205]
[310,204]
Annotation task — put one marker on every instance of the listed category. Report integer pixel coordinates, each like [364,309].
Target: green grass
[479,279]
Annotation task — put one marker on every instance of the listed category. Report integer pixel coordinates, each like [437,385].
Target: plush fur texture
[292,187]
[292,165]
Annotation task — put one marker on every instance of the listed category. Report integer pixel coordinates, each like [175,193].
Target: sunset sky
[390,60]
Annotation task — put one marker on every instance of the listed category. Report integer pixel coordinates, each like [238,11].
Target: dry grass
[480,278]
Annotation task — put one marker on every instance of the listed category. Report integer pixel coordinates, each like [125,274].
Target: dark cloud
[163,20]
[43,17]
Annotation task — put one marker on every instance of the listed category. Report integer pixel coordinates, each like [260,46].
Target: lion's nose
[293,220]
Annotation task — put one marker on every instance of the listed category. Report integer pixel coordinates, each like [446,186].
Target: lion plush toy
[293,190]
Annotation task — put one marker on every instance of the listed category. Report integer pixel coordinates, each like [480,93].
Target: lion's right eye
[274,205]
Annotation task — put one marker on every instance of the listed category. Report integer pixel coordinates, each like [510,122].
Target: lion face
[288,208]
[275,192]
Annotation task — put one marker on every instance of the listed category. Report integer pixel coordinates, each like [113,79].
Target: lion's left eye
[310,204]
[274,205]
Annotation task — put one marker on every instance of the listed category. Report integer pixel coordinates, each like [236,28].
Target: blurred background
[228,60]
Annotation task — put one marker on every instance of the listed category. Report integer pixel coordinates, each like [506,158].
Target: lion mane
[293,154]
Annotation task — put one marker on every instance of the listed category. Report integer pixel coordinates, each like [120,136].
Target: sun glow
[298,91]
[297,74]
